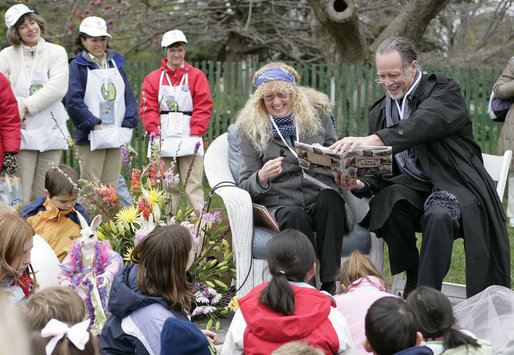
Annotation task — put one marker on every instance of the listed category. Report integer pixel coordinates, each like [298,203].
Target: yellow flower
[154,196]
[101,236]
[225,244]
[126,256]
[128,214]
[233,305]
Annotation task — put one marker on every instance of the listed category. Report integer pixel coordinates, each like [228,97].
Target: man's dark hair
[390,326]
[402,46]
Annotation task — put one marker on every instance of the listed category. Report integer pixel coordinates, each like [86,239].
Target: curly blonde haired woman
[279,113]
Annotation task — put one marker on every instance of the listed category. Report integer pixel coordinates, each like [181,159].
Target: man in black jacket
[439,185]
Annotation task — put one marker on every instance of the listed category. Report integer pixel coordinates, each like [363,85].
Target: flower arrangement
[125,226]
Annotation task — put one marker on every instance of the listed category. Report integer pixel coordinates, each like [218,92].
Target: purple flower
[216,299]
[125,157]
[201,297]
[203,310]
[170,178]
[211,217]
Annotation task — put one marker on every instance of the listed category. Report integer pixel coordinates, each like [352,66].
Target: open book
[263,217]
[363,161]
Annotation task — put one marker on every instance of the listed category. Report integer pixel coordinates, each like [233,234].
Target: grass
[458,265]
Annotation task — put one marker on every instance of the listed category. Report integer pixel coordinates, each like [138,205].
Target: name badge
[107,112]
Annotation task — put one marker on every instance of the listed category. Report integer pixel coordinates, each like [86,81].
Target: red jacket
[10,135]
[200,93]
[313,321]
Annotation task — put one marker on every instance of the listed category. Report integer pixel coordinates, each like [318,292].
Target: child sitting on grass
[54,215]
[391,328]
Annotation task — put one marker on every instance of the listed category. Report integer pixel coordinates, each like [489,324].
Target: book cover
[262,217]
[363,161]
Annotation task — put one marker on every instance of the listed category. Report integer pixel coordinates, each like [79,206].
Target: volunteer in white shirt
[38,73]
[101,104]
[175,107]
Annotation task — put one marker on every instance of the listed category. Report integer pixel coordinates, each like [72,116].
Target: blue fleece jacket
[82,118]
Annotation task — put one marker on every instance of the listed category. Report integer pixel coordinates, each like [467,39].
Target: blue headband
[274,74]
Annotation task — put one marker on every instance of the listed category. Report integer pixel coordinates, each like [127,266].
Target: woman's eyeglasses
[271,97]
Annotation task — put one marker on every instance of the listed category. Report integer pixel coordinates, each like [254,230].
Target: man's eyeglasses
[271,97]
[386,81]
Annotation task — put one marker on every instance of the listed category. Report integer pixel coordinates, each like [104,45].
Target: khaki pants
[32,167]
[193,188]
[99,166]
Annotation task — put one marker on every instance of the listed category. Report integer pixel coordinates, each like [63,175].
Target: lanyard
[176,89]
[305,175]
[414,85]
[22,60]
[282,137]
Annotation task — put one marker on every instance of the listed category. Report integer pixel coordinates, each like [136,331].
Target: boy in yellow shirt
[54,215]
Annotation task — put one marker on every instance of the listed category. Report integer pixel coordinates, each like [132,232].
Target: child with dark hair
[436,322]
[287,308]
[54,215]
[153,288]
[391,328]
[361,285]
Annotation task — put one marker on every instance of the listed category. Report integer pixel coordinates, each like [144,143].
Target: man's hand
[348,182]
[271,169]
[350,143]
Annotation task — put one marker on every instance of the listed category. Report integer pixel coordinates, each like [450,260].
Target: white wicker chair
[498,168]
[251,272]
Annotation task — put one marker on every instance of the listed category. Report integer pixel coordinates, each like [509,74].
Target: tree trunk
[412,21]
[336,29]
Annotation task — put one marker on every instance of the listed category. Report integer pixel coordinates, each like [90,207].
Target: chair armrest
[240,215]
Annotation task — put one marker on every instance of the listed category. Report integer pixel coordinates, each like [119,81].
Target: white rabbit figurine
[89,268]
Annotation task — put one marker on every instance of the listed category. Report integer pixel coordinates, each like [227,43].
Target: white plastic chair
[252,272]
[498,168]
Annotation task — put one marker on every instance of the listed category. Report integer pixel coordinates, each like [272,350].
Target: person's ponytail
[278,295]
[290,256]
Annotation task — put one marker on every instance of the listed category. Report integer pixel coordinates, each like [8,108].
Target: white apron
[105,98]
[41,133]
[176,139]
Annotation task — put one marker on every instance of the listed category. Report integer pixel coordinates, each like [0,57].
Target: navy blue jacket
[82,118]
[126,298]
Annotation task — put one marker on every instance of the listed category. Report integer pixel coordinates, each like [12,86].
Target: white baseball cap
[94,26]
[171,37]
[13,14]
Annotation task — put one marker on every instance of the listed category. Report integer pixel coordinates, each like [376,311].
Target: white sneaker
[511,221]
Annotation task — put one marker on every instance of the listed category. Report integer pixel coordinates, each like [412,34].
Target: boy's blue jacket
[82,118]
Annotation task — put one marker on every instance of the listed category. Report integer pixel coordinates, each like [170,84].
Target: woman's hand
[348,182]
[210,334]
[271,169]
[97,127]
[350,143]
[23,114]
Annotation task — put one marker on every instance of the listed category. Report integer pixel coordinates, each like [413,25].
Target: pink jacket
[354,304]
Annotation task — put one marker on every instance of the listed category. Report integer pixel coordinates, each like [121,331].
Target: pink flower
[140,235]
[156,19]
[70,26]
[108,7]
[118,11]
[152,30]
[211,217]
